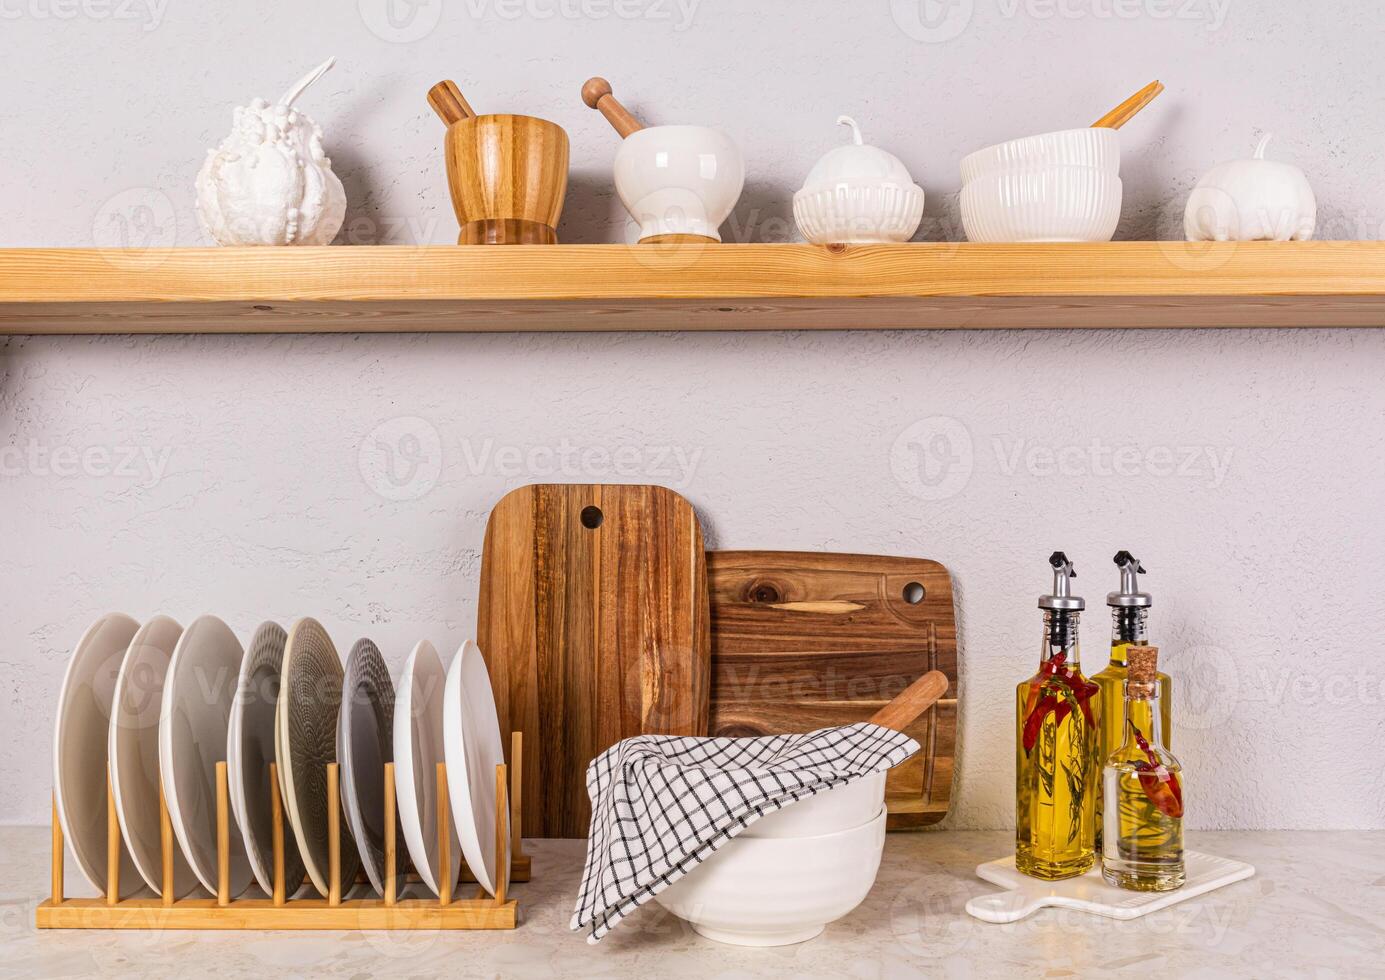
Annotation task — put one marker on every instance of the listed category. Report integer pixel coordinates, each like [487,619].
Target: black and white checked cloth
[662,803]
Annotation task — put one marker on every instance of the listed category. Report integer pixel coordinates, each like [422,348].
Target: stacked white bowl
[1054,187]
[790,873]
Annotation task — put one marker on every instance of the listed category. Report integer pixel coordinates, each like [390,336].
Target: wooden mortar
[507,174]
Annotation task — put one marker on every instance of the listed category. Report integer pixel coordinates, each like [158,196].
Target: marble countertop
[1316,906]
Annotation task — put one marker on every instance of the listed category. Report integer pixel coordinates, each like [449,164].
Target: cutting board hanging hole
[914,593]
[592,517]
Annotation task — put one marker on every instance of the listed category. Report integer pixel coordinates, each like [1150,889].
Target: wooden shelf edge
[698,287]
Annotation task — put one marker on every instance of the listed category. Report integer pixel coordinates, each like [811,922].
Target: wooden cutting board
[594,625]
[803,640]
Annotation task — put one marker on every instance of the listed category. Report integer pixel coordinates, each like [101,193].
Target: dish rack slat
[280,912]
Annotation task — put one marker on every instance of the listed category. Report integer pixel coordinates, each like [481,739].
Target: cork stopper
[1143,665]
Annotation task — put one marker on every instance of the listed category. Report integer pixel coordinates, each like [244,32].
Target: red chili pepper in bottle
[1035,721]
[1160,785]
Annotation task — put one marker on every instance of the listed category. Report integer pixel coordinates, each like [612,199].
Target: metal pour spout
[1062,597]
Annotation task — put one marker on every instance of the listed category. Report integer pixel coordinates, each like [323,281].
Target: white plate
[418,748]
[306,718]
[1091,893]
[365,742]
[134,752]
[198,690]
[250,748]
[473,748]
[80,743]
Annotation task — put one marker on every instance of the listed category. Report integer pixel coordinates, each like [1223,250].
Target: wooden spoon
[1122,113]
[913,701]
[596,93]
[449,103]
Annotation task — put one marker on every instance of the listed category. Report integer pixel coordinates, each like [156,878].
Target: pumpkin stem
[299,86]
[1260,147]
[855,130]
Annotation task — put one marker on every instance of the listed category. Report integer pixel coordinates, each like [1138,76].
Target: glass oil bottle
[1129,612]
[1142,845]
[1057,770]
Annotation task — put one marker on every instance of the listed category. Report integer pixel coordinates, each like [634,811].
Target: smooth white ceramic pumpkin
[269,182]
[1255,200]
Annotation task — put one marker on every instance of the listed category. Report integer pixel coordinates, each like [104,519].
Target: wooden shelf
[691,287]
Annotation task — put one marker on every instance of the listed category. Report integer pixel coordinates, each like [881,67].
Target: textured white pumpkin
[858,193]
[1255,200]
[269,182]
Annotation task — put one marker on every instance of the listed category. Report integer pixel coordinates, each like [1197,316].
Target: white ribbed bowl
[772,891]
[858,212]
[1056,204]
[1099,148]
[828,812]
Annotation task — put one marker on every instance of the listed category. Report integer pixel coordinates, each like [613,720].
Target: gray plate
[251,750]
[309,701]
[364,745]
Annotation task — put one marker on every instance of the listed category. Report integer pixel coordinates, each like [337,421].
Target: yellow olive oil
[1057,772]
[1129,613]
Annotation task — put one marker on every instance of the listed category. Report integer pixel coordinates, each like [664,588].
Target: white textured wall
[1244,467]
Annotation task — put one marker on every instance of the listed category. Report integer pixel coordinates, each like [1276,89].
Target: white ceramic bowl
[1099,148]
[772,891]
[859,211]
[829,812]
[679,180]
[1056,204]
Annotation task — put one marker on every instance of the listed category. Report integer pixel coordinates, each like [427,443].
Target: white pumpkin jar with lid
[858,194]
[1255,200]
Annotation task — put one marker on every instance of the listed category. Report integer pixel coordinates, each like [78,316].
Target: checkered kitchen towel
[661,804]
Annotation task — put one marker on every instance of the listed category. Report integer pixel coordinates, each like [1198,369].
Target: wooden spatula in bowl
[1123,113]
[913,701]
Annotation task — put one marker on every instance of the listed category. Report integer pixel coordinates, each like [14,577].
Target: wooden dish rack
[279,911]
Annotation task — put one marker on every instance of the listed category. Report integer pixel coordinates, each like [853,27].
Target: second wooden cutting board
[594,625]
[805,640]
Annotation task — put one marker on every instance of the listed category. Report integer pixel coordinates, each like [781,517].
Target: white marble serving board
[1091,893]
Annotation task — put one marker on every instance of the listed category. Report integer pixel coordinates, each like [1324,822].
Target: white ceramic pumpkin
[858,193]
[1253,200]
[269,182]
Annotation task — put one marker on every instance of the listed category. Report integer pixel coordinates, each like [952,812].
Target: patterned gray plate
[309,699]
[249,751]
[364,745]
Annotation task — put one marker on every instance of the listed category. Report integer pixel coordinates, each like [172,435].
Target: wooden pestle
[596,93]
[449,103]
[913,701]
